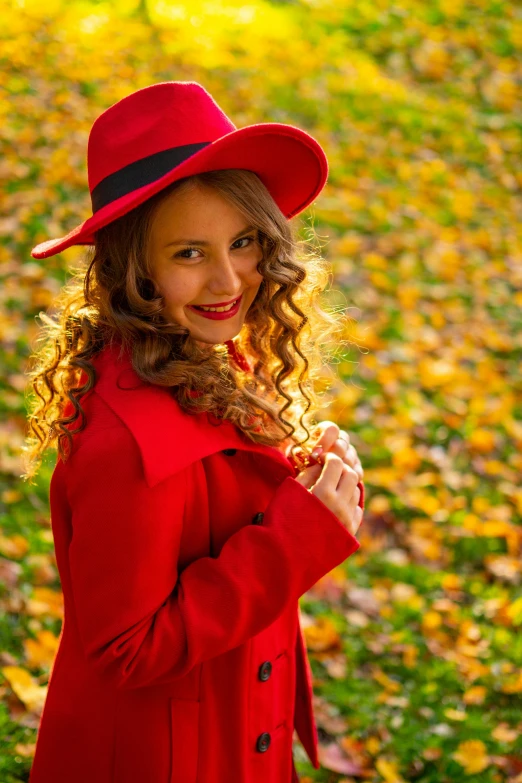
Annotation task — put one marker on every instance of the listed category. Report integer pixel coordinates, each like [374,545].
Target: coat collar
[169,439]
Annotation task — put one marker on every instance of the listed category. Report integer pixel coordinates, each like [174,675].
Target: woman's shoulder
[98,416]
[96,424]
[118,401]
[123,408]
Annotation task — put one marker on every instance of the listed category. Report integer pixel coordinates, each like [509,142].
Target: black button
[257,519]
[265,671]
[263,741]
[229,452]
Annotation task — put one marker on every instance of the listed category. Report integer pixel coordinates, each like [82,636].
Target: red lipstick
[220,304]
[218,316]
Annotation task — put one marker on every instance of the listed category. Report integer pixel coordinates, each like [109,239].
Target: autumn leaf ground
[415,642]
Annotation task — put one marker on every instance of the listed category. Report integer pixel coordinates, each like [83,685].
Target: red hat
[170,130]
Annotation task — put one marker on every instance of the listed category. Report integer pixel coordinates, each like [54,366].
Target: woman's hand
[334,440]
[335,484]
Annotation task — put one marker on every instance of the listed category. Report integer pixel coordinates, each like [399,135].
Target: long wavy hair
[286,337]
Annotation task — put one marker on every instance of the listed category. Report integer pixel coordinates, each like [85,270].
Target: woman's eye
[250,239]
[183,253]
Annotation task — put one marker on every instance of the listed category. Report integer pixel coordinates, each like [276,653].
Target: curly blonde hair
[286,335]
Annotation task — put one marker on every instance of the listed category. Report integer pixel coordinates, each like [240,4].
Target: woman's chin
[216,338]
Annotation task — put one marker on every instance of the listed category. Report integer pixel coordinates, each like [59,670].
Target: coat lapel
[169,438]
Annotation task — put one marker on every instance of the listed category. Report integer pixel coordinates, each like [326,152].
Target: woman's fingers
[309,476]
[348,454]
[329,433]
[351,514]
[337,488]
[352,459]
[332,470]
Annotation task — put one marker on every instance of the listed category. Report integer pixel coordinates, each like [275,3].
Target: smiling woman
[216,236]
[197,276]
[185,351]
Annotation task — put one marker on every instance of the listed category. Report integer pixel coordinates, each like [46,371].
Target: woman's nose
[224,277]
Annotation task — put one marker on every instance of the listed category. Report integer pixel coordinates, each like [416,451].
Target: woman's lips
[214,316]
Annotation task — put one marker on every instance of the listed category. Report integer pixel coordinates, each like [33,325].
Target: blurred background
[415,642]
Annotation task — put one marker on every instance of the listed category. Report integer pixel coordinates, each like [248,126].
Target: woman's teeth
[217,309]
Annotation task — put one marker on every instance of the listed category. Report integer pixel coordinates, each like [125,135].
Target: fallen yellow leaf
[513,686]
[322,635]
[475,695]
[388,771]
[26,750]
[472,755]
[15,546]
[383,679]
[45,601]
[455,714]
[514,611]
[504,733]
[26,688]
[42,650]
[431,620]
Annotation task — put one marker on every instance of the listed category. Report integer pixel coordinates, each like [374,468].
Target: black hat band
[141,172]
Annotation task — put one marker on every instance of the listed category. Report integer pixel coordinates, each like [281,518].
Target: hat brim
[291,164]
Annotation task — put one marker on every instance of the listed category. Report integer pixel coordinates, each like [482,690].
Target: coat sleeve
[141,622]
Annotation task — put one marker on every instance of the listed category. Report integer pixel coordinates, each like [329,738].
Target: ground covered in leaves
[415,642]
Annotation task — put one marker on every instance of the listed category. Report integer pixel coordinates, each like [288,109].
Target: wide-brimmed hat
[170,130]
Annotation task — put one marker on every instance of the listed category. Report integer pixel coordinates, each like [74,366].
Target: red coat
[182,548]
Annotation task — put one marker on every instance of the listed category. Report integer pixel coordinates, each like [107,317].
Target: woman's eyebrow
[203,242]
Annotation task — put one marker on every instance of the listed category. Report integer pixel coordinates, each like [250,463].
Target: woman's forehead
[194,209]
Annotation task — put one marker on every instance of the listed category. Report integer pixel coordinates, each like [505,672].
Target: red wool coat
[182,549]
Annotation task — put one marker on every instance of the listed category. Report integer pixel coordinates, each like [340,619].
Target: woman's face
[202,252]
